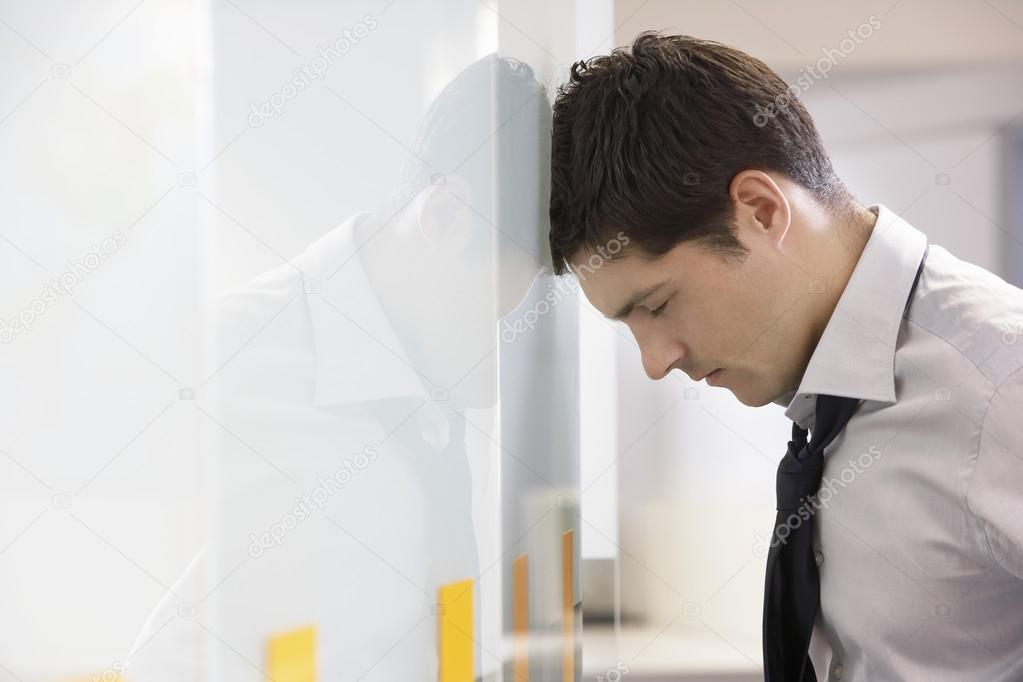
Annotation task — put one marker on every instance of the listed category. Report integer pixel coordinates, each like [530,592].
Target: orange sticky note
[291,656]
[568,604]
[520,616]
[455,630]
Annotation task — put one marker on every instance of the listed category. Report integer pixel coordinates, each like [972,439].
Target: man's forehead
[616,286]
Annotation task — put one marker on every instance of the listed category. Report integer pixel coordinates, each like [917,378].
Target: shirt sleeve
[995,492]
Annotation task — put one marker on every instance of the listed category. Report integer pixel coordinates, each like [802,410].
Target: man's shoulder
[974,312]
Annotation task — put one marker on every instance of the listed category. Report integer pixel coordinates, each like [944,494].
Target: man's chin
[749,401]
[750,393]
[751,397]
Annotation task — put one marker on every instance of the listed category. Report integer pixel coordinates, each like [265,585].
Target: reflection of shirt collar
[855,356]
[358,355]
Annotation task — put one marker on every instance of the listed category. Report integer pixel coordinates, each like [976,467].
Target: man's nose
[659,355]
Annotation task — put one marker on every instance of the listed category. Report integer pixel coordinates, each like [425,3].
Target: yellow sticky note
[291,656]
[455,630]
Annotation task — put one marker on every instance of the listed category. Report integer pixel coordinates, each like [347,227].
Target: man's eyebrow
[636,299]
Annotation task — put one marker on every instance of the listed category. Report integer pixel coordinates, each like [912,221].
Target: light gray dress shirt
[919,530]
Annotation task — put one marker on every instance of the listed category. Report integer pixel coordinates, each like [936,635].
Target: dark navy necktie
[792,591]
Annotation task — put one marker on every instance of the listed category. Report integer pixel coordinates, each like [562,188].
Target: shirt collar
[358,354]
[855,356]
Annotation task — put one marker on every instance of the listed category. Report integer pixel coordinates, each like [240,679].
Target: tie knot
[799,475]
[799,472]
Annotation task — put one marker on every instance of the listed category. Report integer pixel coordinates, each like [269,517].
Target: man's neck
[850,234]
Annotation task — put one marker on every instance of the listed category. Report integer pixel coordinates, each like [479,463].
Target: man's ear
[761,207]
[445,214]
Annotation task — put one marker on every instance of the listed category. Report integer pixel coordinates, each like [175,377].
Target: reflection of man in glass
[342,493]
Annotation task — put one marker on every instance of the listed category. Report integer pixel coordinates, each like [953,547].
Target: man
[898,548]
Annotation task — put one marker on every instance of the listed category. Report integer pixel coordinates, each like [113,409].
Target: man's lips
[697,378]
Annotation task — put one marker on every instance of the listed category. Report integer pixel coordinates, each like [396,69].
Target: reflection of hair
[493,105]
[648,141]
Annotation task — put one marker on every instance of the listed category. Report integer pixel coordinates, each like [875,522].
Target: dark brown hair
[646,141]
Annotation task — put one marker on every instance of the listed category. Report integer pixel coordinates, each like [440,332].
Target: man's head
[664,171]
